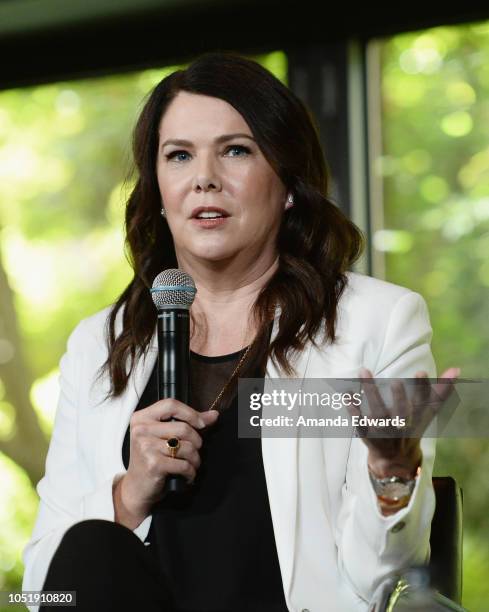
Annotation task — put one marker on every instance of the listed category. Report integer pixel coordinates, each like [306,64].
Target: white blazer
[334,546]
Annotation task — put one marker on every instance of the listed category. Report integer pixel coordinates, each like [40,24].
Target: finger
[362,431]
[180,430]
[353,410]
[165,409]
[181,467]
[403,408]
[443,390]
[428,406]
[421,391]
[375,401]
[365,373]
[422,411]
[423,402]
[451,373]
[166,430]
[186,450]
[400,400]
[173,408]
[172,429]
[169,465]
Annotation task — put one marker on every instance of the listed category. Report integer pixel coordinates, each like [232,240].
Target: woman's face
[216,164]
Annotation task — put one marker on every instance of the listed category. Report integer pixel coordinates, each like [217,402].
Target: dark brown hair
[317,243]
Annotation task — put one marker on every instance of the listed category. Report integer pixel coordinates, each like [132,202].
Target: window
[430,223]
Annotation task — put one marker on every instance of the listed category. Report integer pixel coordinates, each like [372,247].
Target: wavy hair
[316,242]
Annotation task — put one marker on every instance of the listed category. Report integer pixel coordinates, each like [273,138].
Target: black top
[215,543]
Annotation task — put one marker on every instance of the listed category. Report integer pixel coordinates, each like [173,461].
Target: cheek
[169,187]
[257,182]
[161,182]
[264,196]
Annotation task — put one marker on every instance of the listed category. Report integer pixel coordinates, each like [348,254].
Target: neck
[226,281]
[223,304]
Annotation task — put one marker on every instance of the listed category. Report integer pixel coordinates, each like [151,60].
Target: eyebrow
[224,138]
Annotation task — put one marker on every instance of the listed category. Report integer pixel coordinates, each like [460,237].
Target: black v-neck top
[215,543]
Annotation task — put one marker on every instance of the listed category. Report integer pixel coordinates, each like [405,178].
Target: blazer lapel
[280,461]
[117,413]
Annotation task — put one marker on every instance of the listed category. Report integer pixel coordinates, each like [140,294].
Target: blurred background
[402,106]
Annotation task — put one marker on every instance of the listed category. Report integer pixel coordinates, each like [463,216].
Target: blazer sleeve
[65,497]
[371,545]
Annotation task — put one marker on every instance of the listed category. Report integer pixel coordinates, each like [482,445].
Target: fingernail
[456,371]
[201,423]
[364,373]
[214,413]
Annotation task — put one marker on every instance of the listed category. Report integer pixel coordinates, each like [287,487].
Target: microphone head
[173,288]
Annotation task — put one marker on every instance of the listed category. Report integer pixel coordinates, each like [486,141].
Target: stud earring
[163,212]
[290,201]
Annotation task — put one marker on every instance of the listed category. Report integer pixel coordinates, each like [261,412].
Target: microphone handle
[174,369]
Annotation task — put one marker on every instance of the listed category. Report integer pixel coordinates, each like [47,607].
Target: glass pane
[431,232]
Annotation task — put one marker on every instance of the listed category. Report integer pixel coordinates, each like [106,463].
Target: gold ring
[173,444]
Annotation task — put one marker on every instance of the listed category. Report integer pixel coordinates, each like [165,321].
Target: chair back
[446,538]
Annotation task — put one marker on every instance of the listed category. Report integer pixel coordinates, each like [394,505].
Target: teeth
[209,215]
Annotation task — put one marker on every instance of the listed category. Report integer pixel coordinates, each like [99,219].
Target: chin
[213,255]
[212,252]
[214,258]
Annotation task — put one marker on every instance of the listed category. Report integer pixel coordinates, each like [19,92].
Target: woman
[232,189]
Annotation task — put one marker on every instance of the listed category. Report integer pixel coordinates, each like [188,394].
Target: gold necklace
[236,370]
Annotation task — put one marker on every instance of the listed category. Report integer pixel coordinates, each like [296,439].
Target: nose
[206,178]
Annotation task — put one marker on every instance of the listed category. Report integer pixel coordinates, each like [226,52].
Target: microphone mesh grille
[173,287]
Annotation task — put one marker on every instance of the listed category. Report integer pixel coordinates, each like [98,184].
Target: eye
[239,148]
[174,154]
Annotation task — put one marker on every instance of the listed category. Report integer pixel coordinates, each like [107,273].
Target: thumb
[451,373]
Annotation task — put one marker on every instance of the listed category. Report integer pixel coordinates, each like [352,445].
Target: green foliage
[17,514]
[435,171]
[65,150]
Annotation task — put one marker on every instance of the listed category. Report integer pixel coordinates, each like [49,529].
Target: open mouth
[209,212]
[209,217]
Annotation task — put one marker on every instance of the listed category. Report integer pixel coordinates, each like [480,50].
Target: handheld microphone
[173,293]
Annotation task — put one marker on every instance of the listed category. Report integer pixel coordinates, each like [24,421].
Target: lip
[210,223]
[199,209]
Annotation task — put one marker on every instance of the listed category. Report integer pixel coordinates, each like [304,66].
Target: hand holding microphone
[150,463]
